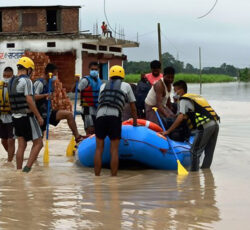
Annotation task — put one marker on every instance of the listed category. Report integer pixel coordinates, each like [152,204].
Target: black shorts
[27,127]
[6,130]
[110,126]
[52,120]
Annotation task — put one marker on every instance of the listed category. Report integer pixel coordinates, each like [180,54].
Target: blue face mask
[93,73]
[176,96]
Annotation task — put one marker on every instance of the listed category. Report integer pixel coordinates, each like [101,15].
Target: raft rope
[183,152]
[181,147]
[164,151]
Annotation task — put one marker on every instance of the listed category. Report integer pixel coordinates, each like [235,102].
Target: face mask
[176,96]
[6,80]
[93,73]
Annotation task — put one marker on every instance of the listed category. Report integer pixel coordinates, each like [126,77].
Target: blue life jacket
[45,85]
[90,95]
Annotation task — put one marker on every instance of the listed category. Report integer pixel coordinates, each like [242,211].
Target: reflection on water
[65,196]
[65,199]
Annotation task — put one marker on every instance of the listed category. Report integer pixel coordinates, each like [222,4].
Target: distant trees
[136,67]
[190,69]
[169,60]
[132,67]
[244,75]
[223,69]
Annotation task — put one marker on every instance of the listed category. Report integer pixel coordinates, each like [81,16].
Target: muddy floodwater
[62,195]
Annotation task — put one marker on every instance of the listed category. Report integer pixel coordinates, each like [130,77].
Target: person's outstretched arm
[134,113]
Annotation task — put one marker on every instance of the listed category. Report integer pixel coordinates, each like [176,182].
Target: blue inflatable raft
[139,144]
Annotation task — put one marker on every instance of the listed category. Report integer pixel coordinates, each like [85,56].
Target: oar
[72,143]
[46,150]
[181,170]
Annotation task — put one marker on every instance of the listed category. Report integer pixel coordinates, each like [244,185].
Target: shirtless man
[159,96]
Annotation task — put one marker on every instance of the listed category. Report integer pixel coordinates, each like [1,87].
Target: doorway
[104,71]
[52,20]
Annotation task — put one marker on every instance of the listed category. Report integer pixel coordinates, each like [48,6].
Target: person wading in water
[113,96]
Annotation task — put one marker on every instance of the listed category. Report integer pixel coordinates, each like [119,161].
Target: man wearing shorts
[113,96]
[26,117]
[41,95]
[6,125]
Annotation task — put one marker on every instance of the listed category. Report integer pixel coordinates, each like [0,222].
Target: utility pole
[159,44]
[115,31]
[200,70]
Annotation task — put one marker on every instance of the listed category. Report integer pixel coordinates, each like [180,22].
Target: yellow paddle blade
[46,152]
[180,179]
[181,169]
[71,147]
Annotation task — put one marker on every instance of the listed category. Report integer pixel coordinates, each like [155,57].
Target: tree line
[132,67]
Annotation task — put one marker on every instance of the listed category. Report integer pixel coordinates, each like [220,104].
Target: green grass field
[189,78]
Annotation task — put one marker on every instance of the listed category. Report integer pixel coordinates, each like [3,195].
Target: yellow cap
[116,71]
[26,63]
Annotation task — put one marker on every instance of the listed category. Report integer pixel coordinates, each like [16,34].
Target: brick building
[51,33]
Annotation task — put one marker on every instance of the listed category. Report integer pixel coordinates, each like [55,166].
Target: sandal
[26,169]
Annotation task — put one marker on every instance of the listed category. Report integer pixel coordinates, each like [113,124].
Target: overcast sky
[223,35]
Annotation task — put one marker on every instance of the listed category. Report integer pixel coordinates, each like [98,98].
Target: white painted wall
[10,56]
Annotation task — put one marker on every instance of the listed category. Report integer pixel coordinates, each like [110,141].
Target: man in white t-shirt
[113,96]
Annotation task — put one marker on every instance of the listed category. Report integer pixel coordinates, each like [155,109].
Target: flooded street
[62,195]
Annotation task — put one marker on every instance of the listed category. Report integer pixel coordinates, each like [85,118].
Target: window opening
[52,23]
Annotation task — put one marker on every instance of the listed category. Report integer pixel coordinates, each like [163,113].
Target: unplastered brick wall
[70,19]
[115,61]
[10,20]
[41,60]
[66,67]
[13,19]
[60,99]
[40,25]
[86,59]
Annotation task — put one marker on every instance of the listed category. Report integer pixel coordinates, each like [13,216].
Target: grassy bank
[189,78]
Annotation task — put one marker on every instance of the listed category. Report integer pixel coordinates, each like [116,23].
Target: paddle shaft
[76,94]
[162,126]
[181,170]
[159,119]
[48,109]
